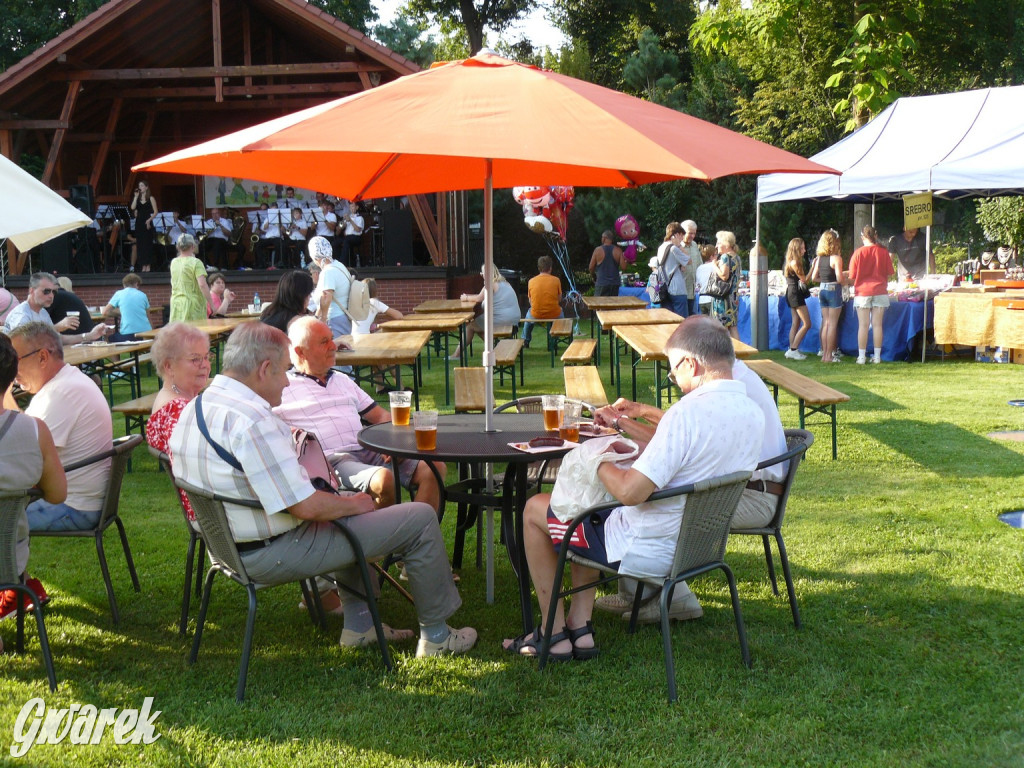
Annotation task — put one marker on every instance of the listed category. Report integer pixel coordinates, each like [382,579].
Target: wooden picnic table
[387,350]
[213,326]
[594,303]
[607,319]
[89,355]
[445,325]
[648,342]
[443,305]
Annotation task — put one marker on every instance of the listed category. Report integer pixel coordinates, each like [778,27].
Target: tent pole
[489,298]
[927,264]
[758,289]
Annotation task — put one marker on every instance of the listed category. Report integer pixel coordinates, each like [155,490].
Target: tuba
[237,227]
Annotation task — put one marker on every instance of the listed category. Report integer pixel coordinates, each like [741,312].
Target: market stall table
[461,439]
[976,320]
[386,350]
[608,319]
[902,323]
[445,324]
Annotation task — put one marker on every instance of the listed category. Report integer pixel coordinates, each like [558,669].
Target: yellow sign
[917,210]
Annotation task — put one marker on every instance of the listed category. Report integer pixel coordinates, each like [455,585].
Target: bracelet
[615,423]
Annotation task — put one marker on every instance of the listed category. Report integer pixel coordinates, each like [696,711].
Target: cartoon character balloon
[628,229]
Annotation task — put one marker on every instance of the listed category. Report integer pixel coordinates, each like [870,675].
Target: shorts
[831,298]
[356,468]
[794,299]
[868,302]
[588,538]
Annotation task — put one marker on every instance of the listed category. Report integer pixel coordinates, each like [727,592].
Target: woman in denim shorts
[829,272]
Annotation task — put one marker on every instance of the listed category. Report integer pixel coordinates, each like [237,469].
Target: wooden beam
[14,124]
[198,92]
[427,225]
[364,80]
[205,73]
[58,137]
[101,156]
[218,51]
[246,43]
[272,107]
[87,138]
[7,145]
[442,229]
[140,151]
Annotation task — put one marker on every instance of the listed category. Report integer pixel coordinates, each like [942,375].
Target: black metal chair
[12,507]
[700,548]
[226,560]
[120,456]
[798,441]
[196,552]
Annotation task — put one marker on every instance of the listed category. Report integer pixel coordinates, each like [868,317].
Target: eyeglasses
[48,291]
[197,360]
[29,354]
[672,373]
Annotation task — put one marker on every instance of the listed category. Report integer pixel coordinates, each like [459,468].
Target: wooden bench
[560,335]
[136,412]
[580,352]
[813,396]
[583,382]
[470,384]
[506,331]
[506,352]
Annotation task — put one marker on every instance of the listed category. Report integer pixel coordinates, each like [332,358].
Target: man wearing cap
[333,287]
[545,291]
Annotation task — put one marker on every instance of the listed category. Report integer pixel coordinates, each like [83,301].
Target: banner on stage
[917,210]
[233,192]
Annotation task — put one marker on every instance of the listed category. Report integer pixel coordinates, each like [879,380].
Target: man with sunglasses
[78,417]
[41,290]
[712,431]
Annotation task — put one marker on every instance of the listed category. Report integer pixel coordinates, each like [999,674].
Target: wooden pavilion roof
[140,78]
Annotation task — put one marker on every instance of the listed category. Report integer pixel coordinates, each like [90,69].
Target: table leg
[447,373]
[657,384]
[636,361]
[611,354]
[512,528]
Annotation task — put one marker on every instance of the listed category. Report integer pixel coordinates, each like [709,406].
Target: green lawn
[911,592]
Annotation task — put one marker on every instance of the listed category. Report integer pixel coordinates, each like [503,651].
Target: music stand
[121,213]
[279,217]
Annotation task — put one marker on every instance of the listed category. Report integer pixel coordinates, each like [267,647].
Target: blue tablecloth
[639,293]
[904,320]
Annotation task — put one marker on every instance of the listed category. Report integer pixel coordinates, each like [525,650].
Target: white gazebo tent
[955,145]
[30,212]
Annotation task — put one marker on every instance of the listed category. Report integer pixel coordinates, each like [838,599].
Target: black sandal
[532,641]
[583,654]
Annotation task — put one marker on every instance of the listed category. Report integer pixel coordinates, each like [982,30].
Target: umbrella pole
[489,299]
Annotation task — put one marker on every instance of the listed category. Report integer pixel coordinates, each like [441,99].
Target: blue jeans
[680,304]
[43,516]
[528,327]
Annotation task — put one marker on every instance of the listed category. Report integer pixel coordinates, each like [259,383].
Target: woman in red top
[870,270]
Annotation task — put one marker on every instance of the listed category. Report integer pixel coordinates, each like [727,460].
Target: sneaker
[861,359]
[876,359]
[821,353]
[837,356]
[9,604]
[616,603]
[684,610]
[795,354]
[458,641]
[36,586]
[350,639]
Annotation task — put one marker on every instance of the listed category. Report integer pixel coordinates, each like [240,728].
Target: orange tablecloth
[975,321]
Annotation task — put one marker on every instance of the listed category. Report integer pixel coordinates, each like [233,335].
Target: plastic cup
[401,406]
[569,427]
[425,424]
[552,407]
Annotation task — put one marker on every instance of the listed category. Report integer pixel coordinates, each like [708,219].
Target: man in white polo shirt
[78,417]
[712,431]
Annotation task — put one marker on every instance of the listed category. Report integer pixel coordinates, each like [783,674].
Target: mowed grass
[911,591]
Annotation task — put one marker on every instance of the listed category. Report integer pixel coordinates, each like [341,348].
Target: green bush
[947,255]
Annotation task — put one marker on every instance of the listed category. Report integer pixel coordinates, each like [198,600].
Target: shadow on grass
[864,399]
[943,447]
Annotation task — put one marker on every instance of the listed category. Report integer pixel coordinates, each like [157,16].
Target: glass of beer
[569,427]
[425,424]
[401,406]
[552,406]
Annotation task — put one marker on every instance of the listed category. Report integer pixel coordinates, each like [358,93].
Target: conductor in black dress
[144,209]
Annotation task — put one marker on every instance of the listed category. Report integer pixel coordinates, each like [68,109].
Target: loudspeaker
[397,227]
[82,199]
[55,255]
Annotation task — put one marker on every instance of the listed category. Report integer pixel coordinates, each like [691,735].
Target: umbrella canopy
[434,131]
[30,212]
[479,123]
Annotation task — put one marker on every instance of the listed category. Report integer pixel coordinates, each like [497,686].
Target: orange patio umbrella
[480,123]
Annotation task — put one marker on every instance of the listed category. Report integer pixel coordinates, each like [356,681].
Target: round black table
[461,439]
